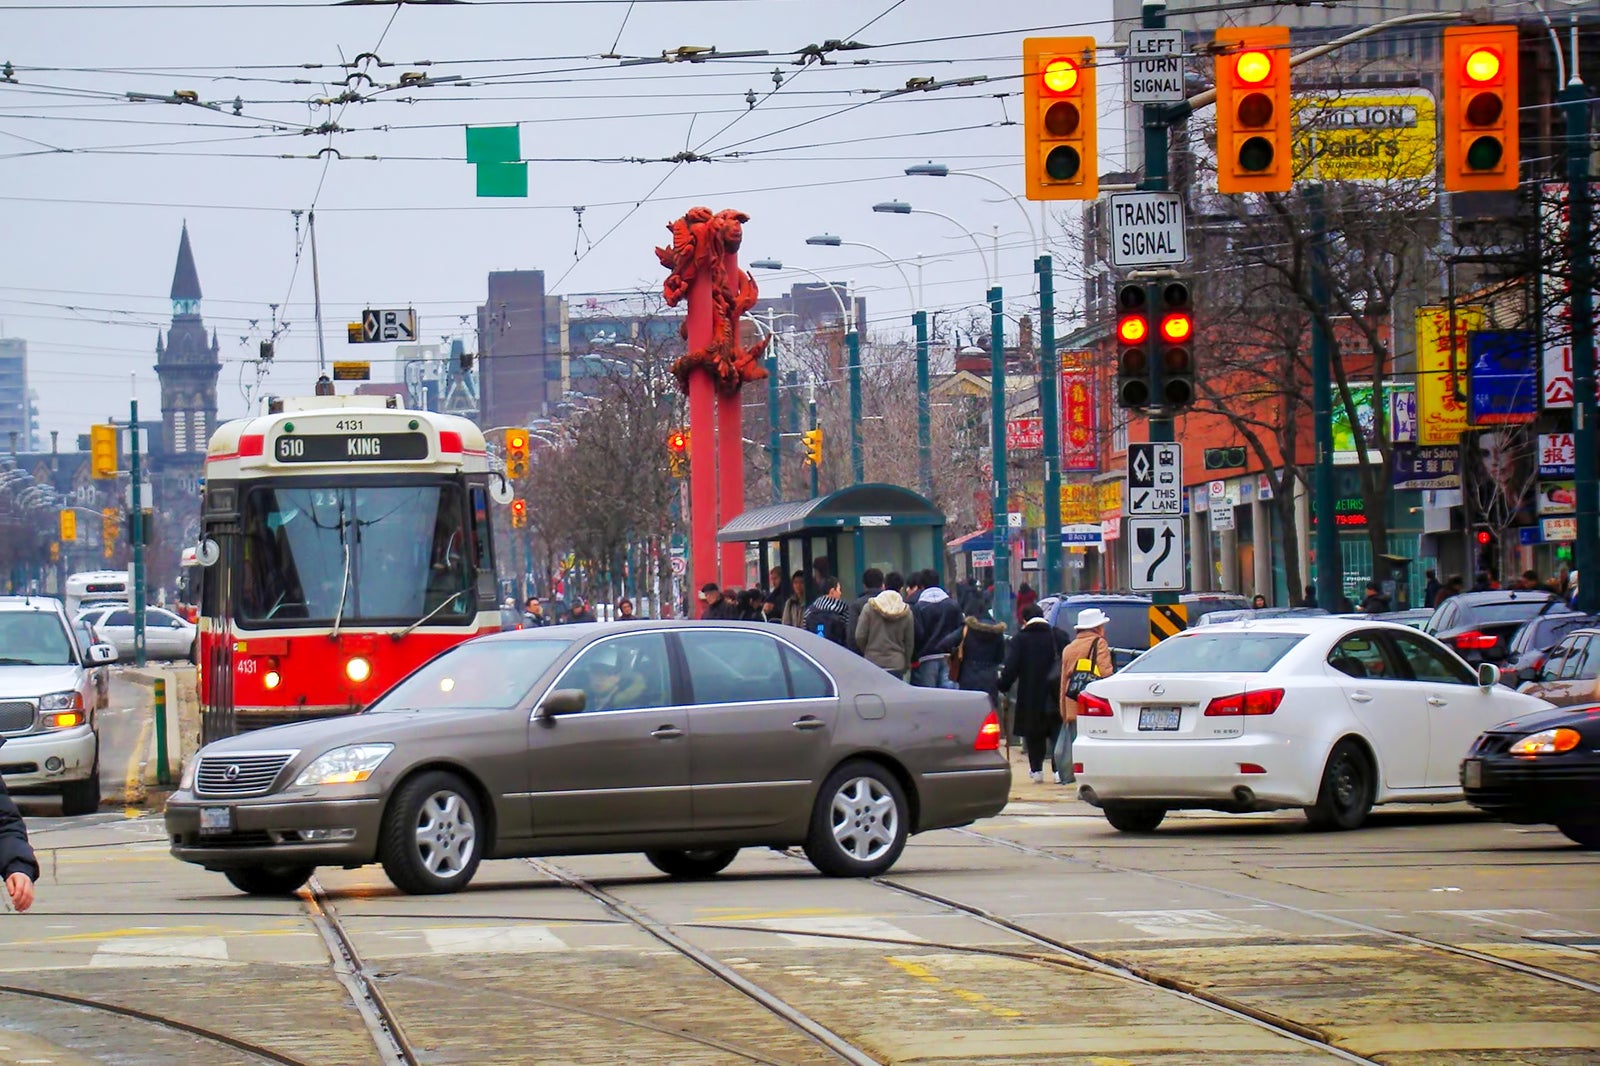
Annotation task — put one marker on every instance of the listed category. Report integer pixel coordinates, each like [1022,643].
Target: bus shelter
[843,533]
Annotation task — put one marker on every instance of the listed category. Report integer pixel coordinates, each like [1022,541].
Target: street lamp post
[1049,372]
[852,341]
[1000,520]
[774,430]
[919,321]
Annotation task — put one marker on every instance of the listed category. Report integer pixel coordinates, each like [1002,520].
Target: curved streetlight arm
[1014,198]
[849,319]
[916,305]
[973,237]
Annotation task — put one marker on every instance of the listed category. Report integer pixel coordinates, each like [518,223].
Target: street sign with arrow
[1156,554]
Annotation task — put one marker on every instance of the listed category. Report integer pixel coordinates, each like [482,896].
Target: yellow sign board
[352,371]
[1442,372]
[1365,135]
[1079,504]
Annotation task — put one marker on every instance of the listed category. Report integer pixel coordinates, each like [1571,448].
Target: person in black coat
[18,866]
[826,617]
[1028,665]
[983,650]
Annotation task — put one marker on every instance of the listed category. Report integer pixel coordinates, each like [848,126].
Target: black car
[1128,632]
[1531,643]
[1543,768]
[1479,625]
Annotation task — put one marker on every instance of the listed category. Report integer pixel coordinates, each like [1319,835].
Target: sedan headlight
[1549,742]
[61,701]
[344,766]
[186,778]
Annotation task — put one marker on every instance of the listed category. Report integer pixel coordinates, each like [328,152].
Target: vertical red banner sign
[1079,450]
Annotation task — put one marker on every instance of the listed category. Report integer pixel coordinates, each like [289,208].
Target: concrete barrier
[180,728]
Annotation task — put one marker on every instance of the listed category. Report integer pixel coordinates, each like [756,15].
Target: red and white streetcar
[344,543]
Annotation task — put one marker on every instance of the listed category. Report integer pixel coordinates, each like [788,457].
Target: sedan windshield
[476,676]
[33,638]
[1508,611]
[1215,653]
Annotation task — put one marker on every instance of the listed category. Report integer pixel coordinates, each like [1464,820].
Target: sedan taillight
[1093,706]
[1472,640]
[1261,701]
[988,734]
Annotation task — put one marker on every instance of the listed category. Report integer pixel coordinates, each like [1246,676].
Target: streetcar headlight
[344,766]
[358,669]
[271,680]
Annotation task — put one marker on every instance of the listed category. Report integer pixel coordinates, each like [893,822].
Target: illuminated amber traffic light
[103,451]
[519,513]
[1481,150]
[1058,90]
[1133,346]
[811,441]
[1254,148]
[516,453]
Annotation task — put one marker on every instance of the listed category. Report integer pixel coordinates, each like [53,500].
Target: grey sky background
[94,188]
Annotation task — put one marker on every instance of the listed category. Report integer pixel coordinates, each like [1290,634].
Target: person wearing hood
[871,585]
[983,650]
[828,614]
[18,865]
[885,632]
[1028,664]
[938,632]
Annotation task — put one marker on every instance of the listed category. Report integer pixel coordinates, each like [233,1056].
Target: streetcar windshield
[475,676]
[392,553]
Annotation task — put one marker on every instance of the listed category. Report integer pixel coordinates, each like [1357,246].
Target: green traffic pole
[1586,549]
[815,467]
[1001,532]
[774,441]
[858,469]
[1330,563]
[1049,400]
[136,533]
[924,409]
[163,772]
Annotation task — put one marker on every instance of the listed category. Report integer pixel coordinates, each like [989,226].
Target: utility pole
[136,531]
[1586,549]
[1000,534]
[1049,398]
[316,293]
[1330,558]
[924,405]
[852,340]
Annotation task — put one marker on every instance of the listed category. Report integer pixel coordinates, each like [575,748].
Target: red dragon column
[704,269]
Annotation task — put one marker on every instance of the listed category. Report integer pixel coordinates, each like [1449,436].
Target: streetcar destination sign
[353,448]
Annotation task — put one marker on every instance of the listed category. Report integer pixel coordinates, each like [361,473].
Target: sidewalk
[1025,791]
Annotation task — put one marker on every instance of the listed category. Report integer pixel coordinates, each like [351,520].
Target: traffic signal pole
[1330,559]
[1000,534]
[1153,16]
[1586,549]
[1049,400]
[136,532]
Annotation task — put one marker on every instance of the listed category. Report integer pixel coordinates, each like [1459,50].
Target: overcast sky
[94,188]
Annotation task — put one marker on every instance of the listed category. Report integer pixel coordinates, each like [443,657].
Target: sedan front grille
[239,774]
[15,717]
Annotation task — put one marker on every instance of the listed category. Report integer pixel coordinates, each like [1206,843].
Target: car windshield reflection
[1215,653]
[476,676]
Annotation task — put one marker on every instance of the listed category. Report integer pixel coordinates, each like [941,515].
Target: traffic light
[811,441]
[103,451]
[516,453]
[1175,344]
[110,524]
[69,524]
[678,452]
[1060,160]
[1224,458]
[1254,145]
[1133,346]
[55,552]
[519,513]
[1480,108]
[1488,549]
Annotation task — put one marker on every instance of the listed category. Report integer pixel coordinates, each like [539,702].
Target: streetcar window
[476,676]
[359,553]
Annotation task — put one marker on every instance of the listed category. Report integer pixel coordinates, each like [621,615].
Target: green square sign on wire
[502,179]
[493,144]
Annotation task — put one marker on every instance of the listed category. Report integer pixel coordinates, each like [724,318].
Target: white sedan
[166,635]
[1332,715]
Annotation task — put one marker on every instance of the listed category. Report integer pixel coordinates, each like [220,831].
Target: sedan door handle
[667,732]
[1435,701]
[1361,697]
[809,722]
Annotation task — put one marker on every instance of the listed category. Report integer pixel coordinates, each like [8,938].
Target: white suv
[48,741]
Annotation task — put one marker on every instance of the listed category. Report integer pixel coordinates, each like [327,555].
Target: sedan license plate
[216,820]
[1158,718]
[1472,773]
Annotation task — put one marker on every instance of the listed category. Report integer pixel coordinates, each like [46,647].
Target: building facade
[17,418]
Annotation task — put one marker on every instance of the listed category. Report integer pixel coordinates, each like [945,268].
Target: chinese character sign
[1024,434]
[1556,292]
[1078,452]
[1442,372]
[1504,378]
[1558,455]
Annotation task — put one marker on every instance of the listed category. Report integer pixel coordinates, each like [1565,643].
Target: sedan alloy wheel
[858,826]
[430,835]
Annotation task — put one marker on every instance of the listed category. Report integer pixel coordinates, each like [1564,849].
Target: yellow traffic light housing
[516,453]
[1254,141]
[103,451]
[519,514]
[110,526]
[1481,144]
[69,524]
[678,452]
[1060,159]
[811,441]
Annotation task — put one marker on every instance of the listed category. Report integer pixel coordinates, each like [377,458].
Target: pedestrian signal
[1481,149]
[1058,88]
[1254,148]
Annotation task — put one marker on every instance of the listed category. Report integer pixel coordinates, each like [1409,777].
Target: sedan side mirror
[1488,676]
[100,654]
[562,701]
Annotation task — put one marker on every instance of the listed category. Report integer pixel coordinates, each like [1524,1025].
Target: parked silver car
[684,740]
[166,635]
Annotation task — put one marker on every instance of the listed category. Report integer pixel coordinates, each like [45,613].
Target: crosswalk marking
[489,940]
[1187,924]
[161,951]
[842,926]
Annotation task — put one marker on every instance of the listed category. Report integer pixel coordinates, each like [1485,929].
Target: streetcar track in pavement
[382,1026]
[214,1036]
[838,1044]
[1412,939]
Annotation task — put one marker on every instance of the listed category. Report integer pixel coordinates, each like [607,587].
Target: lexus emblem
[1155,690]
[233,771]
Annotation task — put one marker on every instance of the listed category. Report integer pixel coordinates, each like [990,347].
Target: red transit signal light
[1483,538]
[1133,329]
[1176,328]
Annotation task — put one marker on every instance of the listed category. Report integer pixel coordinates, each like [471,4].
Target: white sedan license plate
[216,820]
[1472,773]
[1158,718]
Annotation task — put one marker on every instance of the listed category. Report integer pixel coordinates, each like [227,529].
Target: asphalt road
[1041,936]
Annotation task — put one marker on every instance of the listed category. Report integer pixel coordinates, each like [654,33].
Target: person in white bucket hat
[1088,650]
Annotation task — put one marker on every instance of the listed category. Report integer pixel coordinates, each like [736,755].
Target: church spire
[185,278]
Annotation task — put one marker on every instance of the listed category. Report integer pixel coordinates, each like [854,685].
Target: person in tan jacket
[1089,644]
[885,632]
